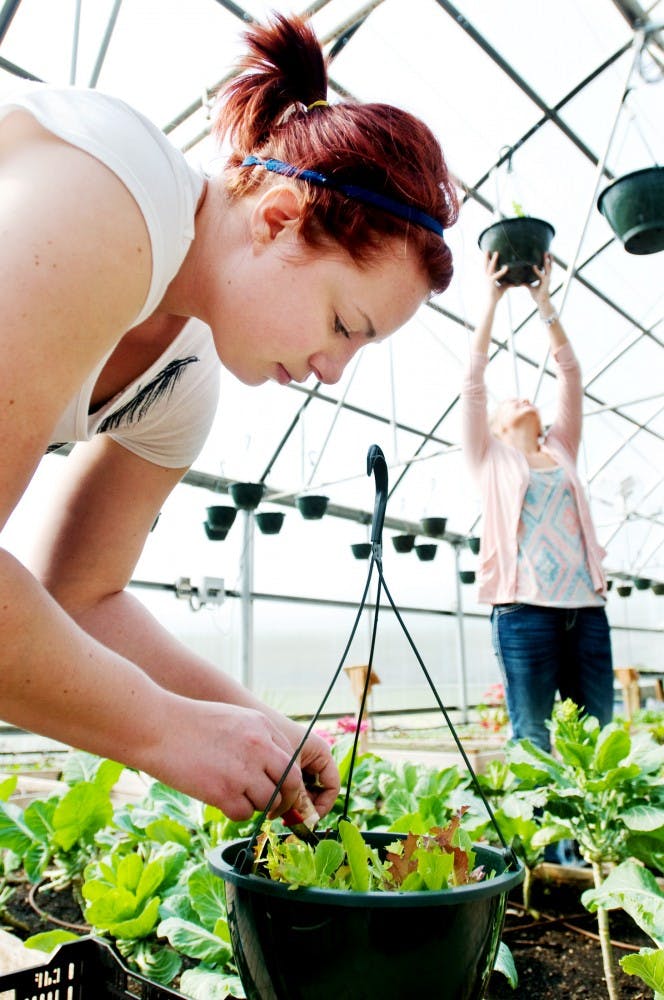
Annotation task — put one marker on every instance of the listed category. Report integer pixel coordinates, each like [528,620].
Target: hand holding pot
[540,291]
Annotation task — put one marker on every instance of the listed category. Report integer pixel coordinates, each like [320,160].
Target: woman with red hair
[126,277]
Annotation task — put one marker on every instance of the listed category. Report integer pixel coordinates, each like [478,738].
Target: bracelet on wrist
[548,320]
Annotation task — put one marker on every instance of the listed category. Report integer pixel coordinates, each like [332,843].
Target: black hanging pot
[426,552]
[247,496]
[434,526]
[221,518]
[403,543]
[642,582]
[474,544]
[312,508]
[624,590]
[215,534]
[633,206]
[329,944]
[361,550]
[520,242]
[657,588]
[269,522]
[467,575]
[609,584]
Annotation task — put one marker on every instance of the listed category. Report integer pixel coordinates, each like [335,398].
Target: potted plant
[633,205]
[221,518]
[434,526]
[311,507]
[426,552]
[361,550]
[314,942]
[403,543]
[247,496]
[521,242]
[215,534]
[270,522]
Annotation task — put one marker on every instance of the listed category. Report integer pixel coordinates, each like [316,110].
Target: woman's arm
[86,554]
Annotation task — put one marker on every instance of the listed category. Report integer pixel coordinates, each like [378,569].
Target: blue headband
[398,208]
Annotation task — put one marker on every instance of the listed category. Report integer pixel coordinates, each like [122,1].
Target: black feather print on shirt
[161,385]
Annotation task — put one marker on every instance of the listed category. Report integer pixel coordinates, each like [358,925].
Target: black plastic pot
[657,588]
[609,584]
[624,590]
[221,518]
[642,582]
[474,544]
[312,508]
[326,944]
[215,534]
[434,526]
[633,206]
[361,550]
[403,543]
[426,552]
[247,496]
[467,575]
[520,242]
[269,522]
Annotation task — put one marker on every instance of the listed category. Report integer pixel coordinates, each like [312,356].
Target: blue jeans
[544,650]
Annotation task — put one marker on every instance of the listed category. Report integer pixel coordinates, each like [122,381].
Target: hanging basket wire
[377,465]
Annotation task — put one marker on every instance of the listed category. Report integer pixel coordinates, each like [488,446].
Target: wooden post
[628,678]
[358,676]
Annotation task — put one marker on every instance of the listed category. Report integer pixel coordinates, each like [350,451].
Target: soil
[556,950]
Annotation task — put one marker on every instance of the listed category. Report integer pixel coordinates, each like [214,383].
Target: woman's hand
[319,771]
[494,275]
[540,291]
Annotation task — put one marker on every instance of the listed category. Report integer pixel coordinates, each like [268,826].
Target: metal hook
[376,463]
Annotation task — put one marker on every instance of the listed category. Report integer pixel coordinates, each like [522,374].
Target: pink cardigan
[502,473]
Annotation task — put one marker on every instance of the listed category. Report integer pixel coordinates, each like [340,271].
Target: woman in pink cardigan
[540,559]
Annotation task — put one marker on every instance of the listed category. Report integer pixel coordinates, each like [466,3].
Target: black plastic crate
[87,969]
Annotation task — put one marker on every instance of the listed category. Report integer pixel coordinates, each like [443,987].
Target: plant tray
[87,969]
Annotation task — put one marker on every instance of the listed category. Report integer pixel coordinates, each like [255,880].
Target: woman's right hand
[494,274]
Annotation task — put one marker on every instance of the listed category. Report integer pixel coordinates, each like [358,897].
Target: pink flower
[348,724]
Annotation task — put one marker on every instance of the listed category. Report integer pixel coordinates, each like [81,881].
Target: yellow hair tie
[319,104]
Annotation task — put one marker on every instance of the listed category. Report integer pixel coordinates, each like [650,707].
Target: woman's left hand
[320,773]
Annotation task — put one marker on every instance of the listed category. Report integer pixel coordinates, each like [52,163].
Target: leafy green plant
[632,888]
[600,787]
[438,859]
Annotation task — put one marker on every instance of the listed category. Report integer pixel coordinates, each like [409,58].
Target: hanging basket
[633,206]
[467,575]
[624,590]
[324,944]
[657,588]
[434,526]
[221,518]
[474,544]
[521,243]
[312,508]
[247,496]
[642,582]
[426,552]
[403,543]
[215,534]
[269,522]
[361,550]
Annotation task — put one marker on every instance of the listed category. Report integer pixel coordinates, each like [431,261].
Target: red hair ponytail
[375,146]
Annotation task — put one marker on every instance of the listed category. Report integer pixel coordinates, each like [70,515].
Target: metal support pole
[461,641]
[74,44]
[247,626]
[103,48]
[637,45]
